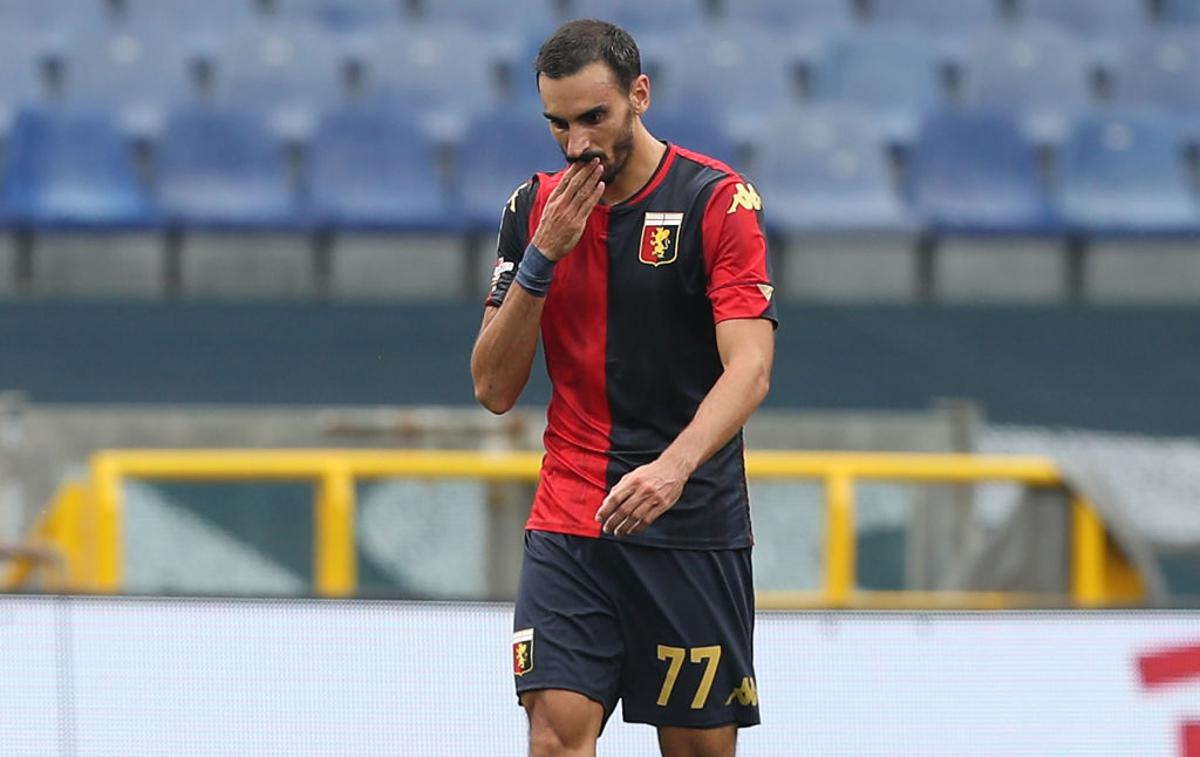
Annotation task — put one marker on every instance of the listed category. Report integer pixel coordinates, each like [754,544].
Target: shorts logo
[746,694]
[660,238]
[522,651]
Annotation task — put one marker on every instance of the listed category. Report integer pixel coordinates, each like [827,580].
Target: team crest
[660,238]
[522,651]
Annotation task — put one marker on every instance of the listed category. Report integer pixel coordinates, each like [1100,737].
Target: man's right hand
[567,209]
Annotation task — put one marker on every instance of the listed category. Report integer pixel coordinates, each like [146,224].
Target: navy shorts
[668,632]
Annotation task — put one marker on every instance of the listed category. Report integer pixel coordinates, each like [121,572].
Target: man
[644,268]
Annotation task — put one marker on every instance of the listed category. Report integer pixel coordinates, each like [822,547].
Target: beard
[615,163]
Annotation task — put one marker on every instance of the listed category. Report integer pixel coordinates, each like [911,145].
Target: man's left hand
[640,497]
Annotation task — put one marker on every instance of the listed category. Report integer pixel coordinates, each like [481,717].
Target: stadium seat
[1038,73]
[137,77]
[947,23]
[804,16]
[373,169]
[451,73]
[71,168]
[639,16]
[1163,71]
[340,15]
[1124,173]
[1088,19]
[1181,11]
[693,132]
[973,172]
[21,75]
[740,73]
[533,17]
[220,168]
[499,151]
[892,75]
[188,20]
[53,17]
[825,170]
[289,74]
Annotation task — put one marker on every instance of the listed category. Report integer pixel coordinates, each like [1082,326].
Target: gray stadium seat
[1163,71]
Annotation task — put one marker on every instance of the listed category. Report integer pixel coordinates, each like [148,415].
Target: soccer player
[644,268]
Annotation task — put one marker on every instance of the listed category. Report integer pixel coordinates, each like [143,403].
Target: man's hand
[641,496]
[567,209]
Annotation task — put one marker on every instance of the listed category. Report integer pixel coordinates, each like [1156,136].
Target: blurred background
[269,225]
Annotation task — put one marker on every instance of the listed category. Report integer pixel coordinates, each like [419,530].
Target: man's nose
[578,143]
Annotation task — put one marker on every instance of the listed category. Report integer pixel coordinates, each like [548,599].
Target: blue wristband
[535,272]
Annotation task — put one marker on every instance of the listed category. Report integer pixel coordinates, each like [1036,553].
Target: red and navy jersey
[629,335]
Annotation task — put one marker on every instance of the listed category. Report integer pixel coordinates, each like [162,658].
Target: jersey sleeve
[512,240]
[735,253]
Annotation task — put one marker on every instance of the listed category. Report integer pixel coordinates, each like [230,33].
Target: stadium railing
[84,523]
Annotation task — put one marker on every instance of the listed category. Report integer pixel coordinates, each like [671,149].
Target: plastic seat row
[820,169]
[1037,72]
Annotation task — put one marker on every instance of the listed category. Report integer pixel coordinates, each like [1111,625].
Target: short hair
[583,41]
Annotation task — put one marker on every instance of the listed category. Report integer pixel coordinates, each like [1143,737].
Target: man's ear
[639,94]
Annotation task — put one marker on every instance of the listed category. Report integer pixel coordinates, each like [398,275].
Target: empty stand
[973,172]
[1180,11]
[1163,71]
[341,15]
[188,21]
[948,24]
[500,151]
[374,169]
[1123,173]
[1089,18]
[639,14]
[533,18]
[53,17]
[222,168]
[1037,73]
[804,16]
[694,133]
[21,76]
[892,76]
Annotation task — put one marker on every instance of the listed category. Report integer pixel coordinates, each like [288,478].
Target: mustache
[584,157]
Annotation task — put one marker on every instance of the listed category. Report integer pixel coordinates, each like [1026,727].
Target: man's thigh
[688,623]
[566,635]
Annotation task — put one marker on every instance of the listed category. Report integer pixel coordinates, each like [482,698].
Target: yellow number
[675,655]
[711,655]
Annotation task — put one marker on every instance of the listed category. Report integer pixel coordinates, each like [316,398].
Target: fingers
[628,509]
[571,172]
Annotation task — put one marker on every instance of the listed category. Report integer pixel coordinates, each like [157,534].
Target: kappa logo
[522,651]
[745,196]
[746,694]
[660,238]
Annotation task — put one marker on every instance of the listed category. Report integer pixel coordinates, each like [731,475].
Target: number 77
[709,655]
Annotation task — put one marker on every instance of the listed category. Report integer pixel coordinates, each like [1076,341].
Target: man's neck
[643,161]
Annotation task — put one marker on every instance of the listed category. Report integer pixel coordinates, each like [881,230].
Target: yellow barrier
[1098,574]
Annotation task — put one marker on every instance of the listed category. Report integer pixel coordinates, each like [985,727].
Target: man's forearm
[503,356]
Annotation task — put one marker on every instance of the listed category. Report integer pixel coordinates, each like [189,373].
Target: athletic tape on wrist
[535,272]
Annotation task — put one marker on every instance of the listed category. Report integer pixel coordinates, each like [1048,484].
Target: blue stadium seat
[805,16]
[1124,173]
[341,15]
[499,151]
[740,73]
[1089,19]
[1163,71]
[973,172]
[694,132]
[451,72]
[1038,73]
[189,20]
[53,17]
[1181,11]
[71,168]
[893,75]
[289,74]
[535,17]
[136,77]
[20,76]
[639,15]
[220,168]
[948,23]
[824,170]
[372,168]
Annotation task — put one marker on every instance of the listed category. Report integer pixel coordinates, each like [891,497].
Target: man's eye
[559,125]
[594,118]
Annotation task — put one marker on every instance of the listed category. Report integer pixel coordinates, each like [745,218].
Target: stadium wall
[86,676]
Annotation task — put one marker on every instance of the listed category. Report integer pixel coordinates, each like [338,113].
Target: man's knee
[562,722]
[698,742]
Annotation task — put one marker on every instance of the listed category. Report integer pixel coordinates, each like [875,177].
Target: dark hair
[577,43]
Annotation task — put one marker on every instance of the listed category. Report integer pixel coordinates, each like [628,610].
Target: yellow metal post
[839,547]
[1087,554]
[336,557]
[107,524]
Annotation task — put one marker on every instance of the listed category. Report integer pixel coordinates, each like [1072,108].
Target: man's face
[590,117]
